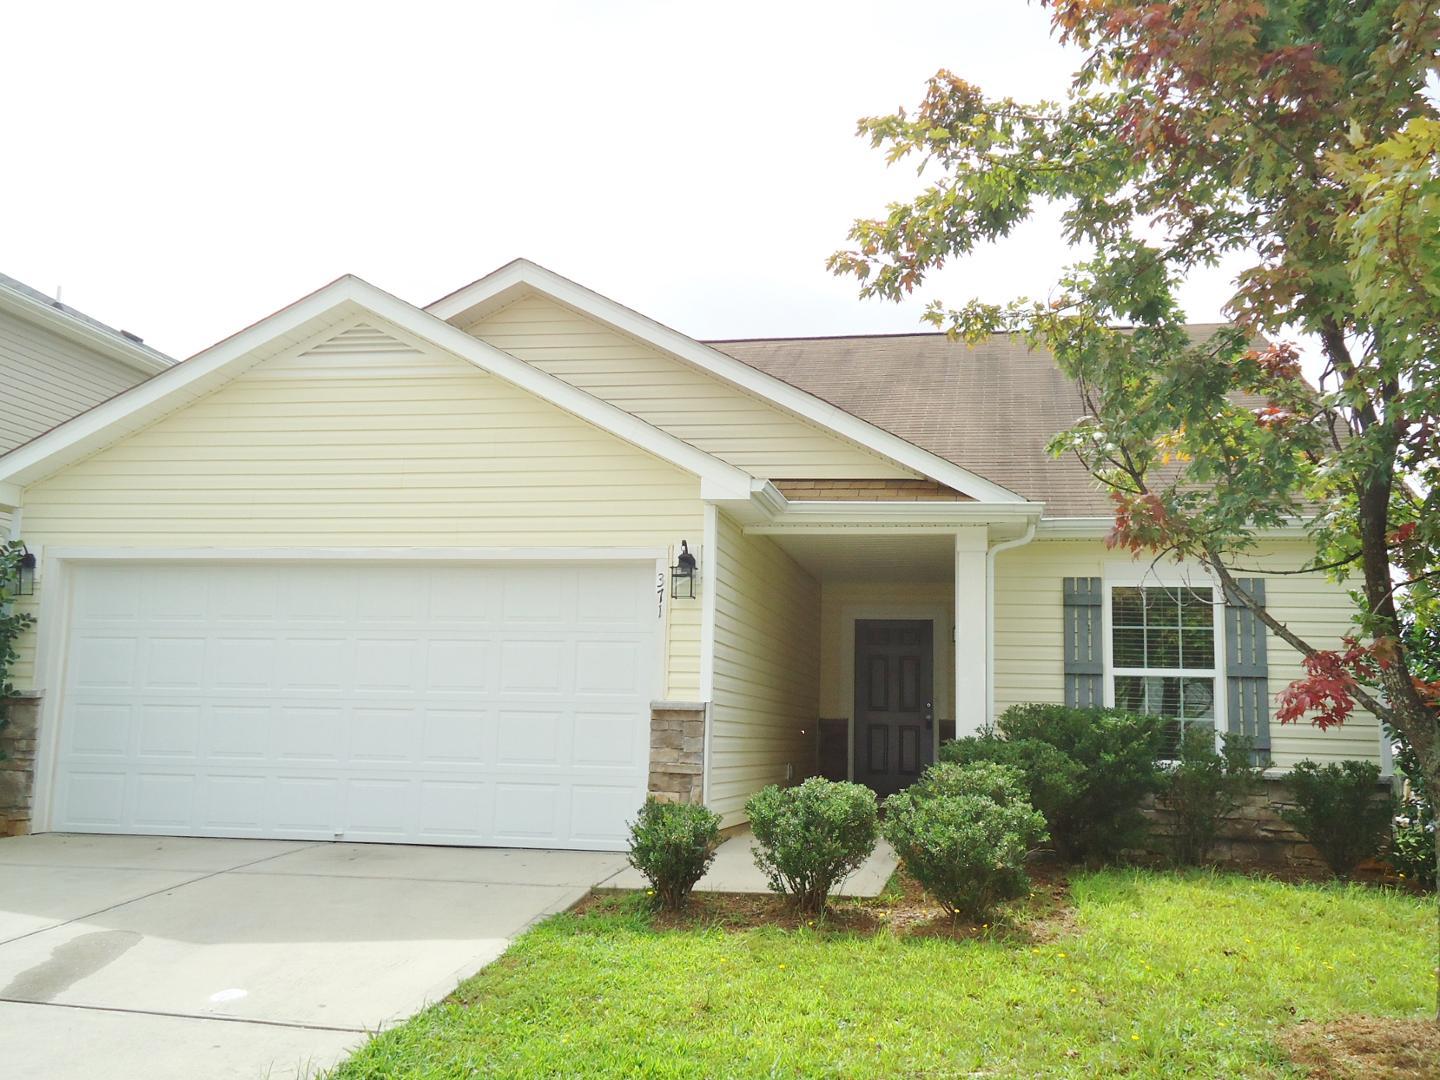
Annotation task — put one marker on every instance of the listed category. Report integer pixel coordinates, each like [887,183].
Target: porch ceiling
[926,557]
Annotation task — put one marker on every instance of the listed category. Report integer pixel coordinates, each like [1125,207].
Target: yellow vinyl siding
[1029,640]
[690,404]
[1029,634]
[333,450]
[767,665]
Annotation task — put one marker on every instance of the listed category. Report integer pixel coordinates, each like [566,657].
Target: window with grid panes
[1163,654]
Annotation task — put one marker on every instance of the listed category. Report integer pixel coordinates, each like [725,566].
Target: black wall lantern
[682,574]
[23,583]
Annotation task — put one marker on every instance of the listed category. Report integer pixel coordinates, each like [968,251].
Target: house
[375,572]
[56,362]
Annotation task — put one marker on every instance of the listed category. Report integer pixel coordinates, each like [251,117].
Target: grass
[1158,975]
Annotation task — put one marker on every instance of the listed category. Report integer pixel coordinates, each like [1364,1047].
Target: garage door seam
[189,1016]
[147,896]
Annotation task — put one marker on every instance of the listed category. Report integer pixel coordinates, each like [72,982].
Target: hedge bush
[1086,771]
[1341,809]
[1204,787]
[809,837]
[962,832]
[673,844]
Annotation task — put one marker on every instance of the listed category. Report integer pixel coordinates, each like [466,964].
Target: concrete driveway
[160,957]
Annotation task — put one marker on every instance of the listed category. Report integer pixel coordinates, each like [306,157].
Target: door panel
[894,702]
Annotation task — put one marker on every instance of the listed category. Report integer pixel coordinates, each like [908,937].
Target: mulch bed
[1366,1048]
[903,908]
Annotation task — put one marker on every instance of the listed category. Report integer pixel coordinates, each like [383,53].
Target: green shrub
[1341,810]
[673,844]
[962,832]
[995,781]
[1086,770]
[1204,787]
[811,836]
[1052,779]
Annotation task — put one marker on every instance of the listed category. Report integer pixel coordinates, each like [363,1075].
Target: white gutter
[995,549]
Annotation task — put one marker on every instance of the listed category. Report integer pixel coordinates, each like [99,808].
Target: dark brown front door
[894,702]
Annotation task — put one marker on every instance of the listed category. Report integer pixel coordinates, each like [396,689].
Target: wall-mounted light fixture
[23,583]
[682,574]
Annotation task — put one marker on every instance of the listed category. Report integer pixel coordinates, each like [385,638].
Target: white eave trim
[822,516]
[66,325]
[524,274]
[90,430]
[1092,528]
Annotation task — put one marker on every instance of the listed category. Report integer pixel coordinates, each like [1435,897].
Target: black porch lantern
[682,575]
[23,584]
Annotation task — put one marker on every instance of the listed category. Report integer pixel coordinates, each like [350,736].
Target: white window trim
[1167,575]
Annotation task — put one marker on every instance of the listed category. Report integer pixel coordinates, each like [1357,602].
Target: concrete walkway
[734,871]
[165,957]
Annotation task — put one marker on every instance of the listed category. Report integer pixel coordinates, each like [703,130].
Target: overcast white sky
[184,170]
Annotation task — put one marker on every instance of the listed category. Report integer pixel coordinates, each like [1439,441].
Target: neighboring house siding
[47,380]
[699,408]
[357,443]
[1029,628]
[767,666]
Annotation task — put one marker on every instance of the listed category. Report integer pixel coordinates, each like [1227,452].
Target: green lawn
[1161,975]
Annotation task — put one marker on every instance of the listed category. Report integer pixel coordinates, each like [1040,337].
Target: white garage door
[441,704]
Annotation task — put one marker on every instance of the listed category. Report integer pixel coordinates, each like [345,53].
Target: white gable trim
[343,299]
[511,280]
[61,322]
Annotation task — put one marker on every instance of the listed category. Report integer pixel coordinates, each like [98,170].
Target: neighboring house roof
[121,345]
[990,408]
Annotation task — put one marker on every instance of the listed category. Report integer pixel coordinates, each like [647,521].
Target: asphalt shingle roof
[990,408]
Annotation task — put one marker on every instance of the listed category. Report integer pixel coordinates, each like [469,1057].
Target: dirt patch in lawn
[903,908]
[1366,1048]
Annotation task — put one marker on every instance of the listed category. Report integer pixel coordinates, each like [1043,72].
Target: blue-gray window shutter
[1247,668]
[1084,649]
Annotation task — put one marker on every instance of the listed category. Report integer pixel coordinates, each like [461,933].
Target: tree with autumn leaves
[1300,135]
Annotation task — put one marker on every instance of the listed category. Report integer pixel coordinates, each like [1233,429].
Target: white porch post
[971,635]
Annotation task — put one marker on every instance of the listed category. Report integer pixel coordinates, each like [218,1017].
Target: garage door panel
[529,813]
[456,811]
[164,800]
[477,704]
[97,731]
[598,813]
[169,732]
[459,664]
[457,737]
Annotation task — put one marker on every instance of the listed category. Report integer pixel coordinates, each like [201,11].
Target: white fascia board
[61,322]
[1095,528]
[10,496]
[522,272]
[827,516]
[346,297]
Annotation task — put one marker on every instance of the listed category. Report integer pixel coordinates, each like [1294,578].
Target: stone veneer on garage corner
[17,765]
[677,751]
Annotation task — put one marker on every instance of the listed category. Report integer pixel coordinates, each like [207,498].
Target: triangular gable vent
[363,351]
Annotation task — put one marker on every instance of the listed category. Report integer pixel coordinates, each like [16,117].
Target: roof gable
[344,304]
[735,425]
[476,301]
